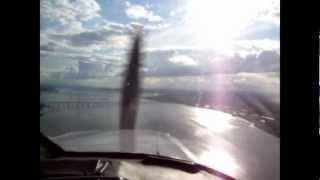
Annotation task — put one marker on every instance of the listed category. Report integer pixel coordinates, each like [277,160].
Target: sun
[217,23]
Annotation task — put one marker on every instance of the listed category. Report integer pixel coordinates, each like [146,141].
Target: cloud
[272,13]
[47,47]
[106,39]
[91,68]
[102,39]
[265,61]
[177,36]
[200,62]
[134,11]
[170,63]
[107,36]
[70,28]
[67,11]
[87,38]
[257,45]
[267,84]
[157,27]
[262,30]
[183,60]
[177,11]
[74,30]
[81,67]
[104,45]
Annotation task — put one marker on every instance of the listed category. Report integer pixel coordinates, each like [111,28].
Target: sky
[194,41]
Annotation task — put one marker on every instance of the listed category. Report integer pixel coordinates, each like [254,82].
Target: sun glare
[216,121]
[216,23]
[221,160]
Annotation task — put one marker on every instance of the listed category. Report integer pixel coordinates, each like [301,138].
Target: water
[218,139]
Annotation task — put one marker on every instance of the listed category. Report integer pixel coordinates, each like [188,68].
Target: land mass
[254,107]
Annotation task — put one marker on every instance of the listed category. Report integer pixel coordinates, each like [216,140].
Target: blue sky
[182,37]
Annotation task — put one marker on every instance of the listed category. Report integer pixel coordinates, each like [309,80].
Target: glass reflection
[217,156]
[220,160]
[215,121]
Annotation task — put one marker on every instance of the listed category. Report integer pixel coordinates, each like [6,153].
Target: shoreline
[267,123]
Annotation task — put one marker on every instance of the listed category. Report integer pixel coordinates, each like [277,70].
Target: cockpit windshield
[203,83]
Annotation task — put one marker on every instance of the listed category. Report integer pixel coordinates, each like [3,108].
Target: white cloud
[70,28]
[272,13]
[258,45]
[265,83]
[179,37]
[139,12]
[177,11]
[183,60]
[106,37]
[157,26]
[118,41]
[106,44]
[67,11]
[195,62]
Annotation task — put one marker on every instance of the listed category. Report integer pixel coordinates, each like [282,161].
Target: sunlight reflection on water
[215,121]
[216,156]
[220,160]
